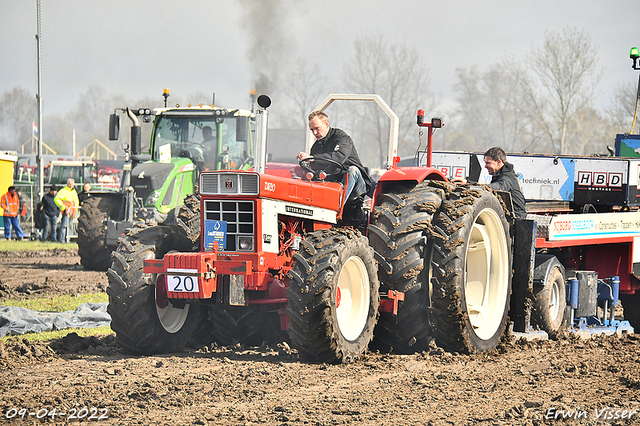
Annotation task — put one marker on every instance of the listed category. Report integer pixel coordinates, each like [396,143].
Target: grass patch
[58,334]
[58,303]
[8,245]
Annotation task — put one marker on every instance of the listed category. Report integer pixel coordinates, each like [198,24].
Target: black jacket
[506,180]
[339,147]
[50,207]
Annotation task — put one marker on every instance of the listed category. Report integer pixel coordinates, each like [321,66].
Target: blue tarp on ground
[15,320]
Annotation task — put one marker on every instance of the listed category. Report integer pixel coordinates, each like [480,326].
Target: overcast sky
[138,48]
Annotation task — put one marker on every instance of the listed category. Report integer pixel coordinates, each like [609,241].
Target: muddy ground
[521,383]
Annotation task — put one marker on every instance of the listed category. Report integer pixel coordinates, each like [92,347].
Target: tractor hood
[148,177]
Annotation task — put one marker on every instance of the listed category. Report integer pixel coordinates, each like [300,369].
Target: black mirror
[242,129]
[114,127]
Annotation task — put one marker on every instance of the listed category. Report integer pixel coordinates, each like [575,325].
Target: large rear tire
[400,231]
[471,270]
[144,321]
[333,296]
[94,253]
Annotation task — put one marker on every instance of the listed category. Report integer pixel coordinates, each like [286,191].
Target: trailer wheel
[144,320]
[550,301]
[250,325]
[400,231]
[94,253]
[631,306]
[333,296]
[471,270]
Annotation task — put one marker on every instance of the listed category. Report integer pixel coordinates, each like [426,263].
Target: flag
[35,129]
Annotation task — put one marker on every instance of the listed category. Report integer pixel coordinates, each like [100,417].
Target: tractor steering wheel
[323,163]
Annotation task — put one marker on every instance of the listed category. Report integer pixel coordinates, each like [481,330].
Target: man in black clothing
[335,144]
[84,194]
[51,213]
[503,178]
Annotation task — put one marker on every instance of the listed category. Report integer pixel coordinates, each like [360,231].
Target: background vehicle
[157,179]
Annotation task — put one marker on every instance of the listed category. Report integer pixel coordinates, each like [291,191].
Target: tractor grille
[239,216]
[229,183]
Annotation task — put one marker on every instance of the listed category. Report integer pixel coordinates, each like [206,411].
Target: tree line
[542,103]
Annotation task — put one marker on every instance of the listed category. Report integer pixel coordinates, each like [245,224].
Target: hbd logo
[600,179]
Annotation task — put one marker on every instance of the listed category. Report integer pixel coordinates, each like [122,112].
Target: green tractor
[156,181]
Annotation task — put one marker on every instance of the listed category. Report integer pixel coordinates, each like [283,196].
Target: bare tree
[18,111]
[399,75]
[561,84]
[490,108]
[306,87]
[623,106]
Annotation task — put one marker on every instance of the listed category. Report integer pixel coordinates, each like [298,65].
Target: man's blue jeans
[49,223]
[355,183]
[10,221]
[64,224]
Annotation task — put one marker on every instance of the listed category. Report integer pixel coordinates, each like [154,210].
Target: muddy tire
[333,296]
[631,306]
[143,322]
[249,325]
[550,301]
[471,271]
[185,220]
[94,253]
[400,231]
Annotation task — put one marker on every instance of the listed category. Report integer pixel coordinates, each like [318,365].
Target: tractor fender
[543,265]
[403,174]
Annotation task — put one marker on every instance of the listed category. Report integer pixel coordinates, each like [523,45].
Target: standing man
[10,202]
[67,200]
[503,178]
[51,213]
[84,194]
[335,144]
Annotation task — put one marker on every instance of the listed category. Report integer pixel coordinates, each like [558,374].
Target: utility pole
[39,99]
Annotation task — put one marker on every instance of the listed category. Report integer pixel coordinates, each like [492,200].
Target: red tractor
[257,254]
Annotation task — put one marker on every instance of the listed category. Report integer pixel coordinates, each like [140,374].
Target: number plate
[182,284]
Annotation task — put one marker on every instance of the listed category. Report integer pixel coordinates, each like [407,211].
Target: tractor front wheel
[333,296]
[144,320]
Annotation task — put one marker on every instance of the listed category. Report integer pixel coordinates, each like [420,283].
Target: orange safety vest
[10,204]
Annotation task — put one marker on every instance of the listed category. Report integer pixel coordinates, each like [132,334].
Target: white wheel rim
[487,274]
[554,300]
[352,298]
[171,318]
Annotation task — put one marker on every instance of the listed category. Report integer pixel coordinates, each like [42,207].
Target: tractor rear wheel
[400,231]
[94,253]
[333,296]
[471,269]
[144,320]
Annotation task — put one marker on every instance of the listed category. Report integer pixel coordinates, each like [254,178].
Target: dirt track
[521,383]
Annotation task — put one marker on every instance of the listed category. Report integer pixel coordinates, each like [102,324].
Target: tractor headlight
[153,197]
[245,243]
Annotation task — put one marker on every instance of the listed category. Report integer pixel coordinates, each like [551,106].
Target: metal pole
[39,99]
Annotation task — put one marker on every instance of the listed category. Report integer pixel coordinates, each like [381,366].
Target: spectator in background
[11,204]
[51,213]
[84,194]
[67,200]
